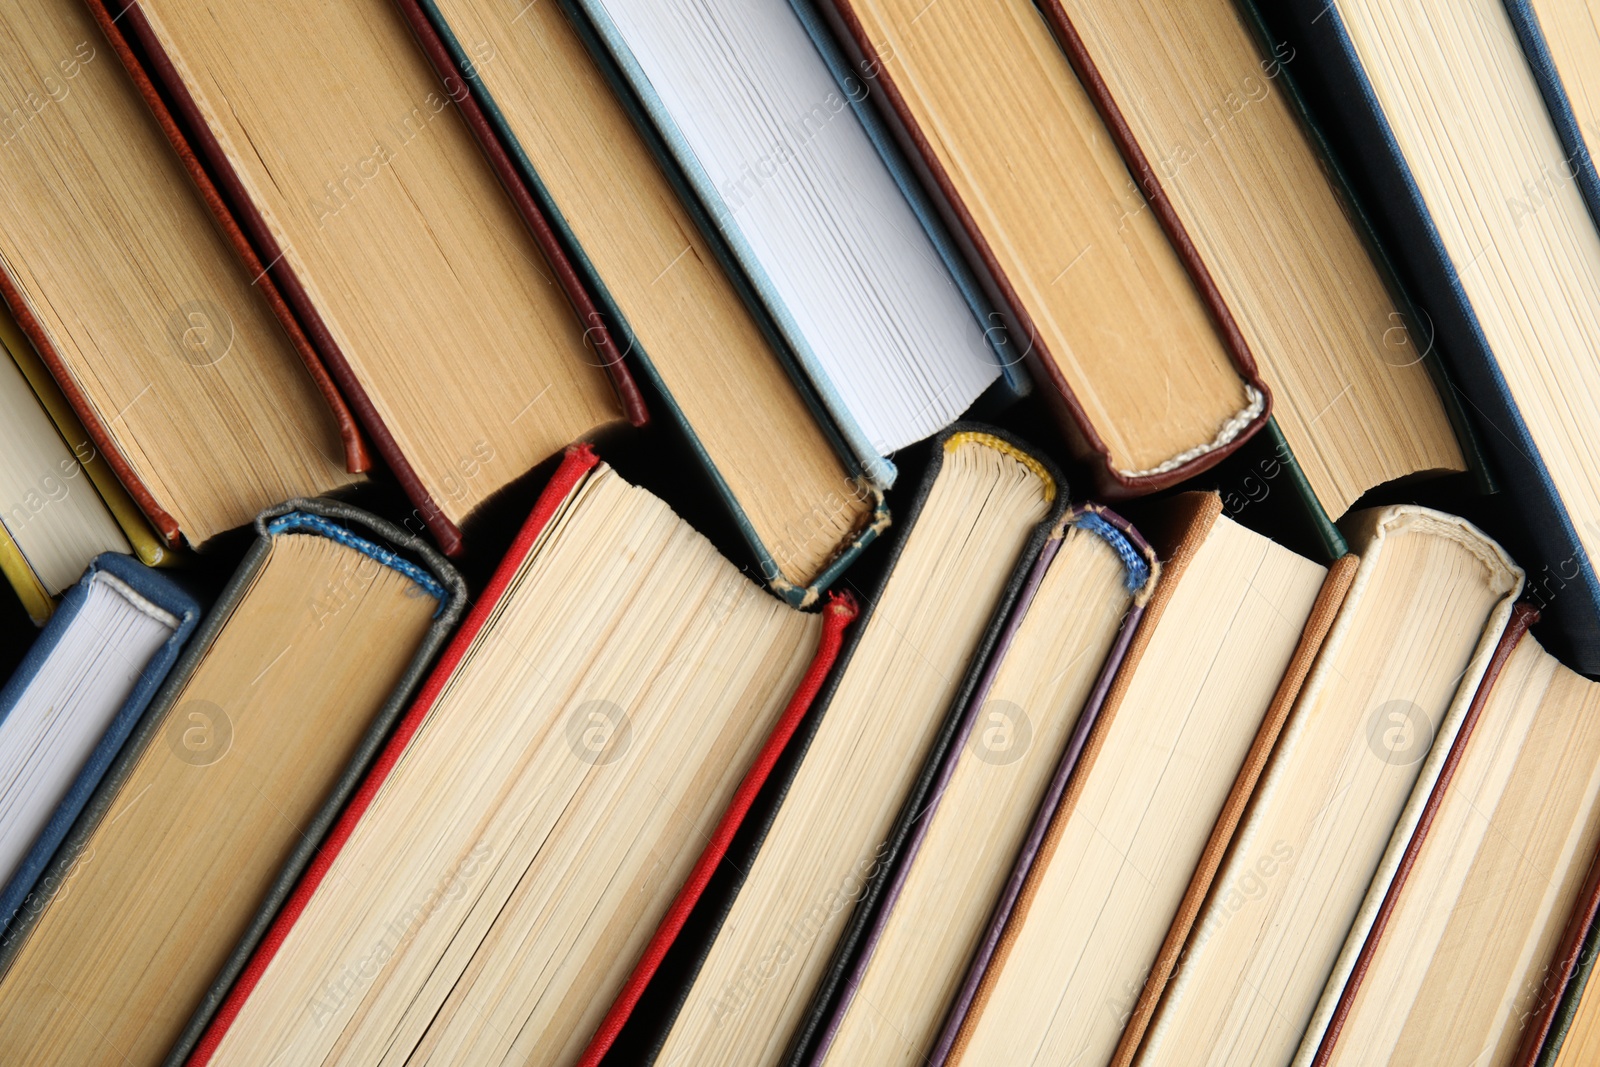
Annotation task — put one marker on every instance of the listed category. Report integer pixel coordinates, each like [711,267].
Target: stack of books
[800,533]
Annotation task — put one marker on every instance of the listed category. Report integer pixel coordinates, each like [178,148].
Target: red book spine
[839,613]
[578,462]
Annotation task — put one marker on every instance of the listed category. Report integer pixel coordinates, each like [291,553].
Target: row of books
[1041,791]
[937,799]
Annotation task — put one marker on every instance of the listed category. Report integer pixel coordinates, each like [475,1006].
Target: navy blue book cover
[1579,161]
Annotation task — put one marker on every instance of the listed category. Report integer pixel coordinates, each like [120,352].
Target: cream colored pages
[1397,731]
[1104,288]
[1581,1047]
[490,903]
[984,814]
[1461,964]
[1131,843]
[688,318]
[1521,241]
[393,222]
[827,837]
[1571,31]
[116,257]
[175,872]
[1216,120]
[1399,666]
[47,504]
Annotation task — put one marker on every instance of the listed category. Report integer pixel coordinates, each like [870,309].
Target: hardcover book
[1497,247]
[163,343]
[438,226]
[859,278]
[1471,936]
[1222,166]
[415,223]
[1110,303]
[1342,791]
[70,706]
[826,829]
[666,295]
[1561,39]
[1565,1032]
[1075,621]
[1128,848]
[53,521]
[488,889]
[222,793]
[142,539]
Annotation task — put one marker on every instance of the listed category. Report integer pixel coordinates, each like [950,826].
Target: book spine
[1579,161]
[1569,997]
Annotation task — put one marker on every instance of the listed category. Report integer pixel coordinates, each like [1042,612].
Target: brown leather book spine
[1522,617]
[1323,612]
[1087,444]
[355,450]
[129,17]
[456,84]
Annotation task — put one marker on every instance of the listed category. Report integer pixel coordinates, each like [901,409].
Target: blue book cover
[175,612]
[1579,162]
